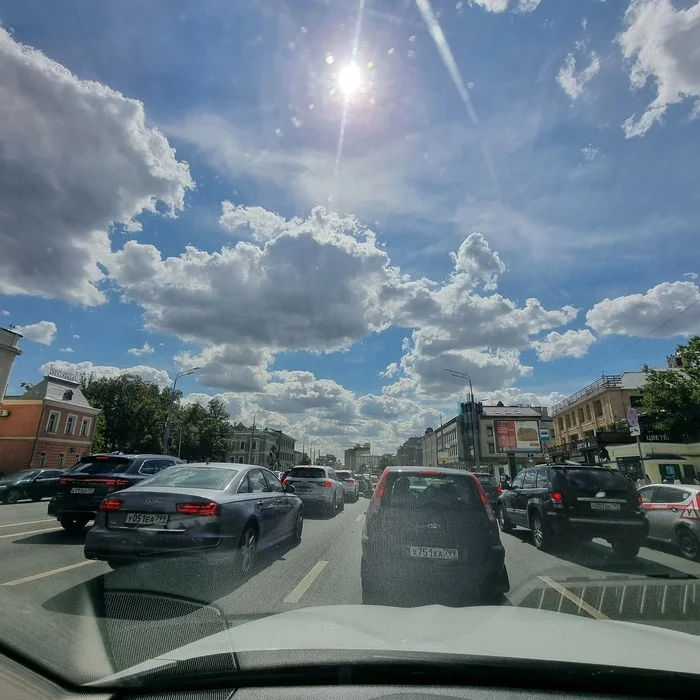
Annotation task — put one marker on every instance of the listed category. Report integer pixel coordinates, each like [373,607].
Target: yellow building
[662,460]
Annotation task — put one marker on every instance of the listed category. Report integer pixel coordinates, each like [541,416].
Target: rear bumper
[315,498]
[604,528]
[58,509]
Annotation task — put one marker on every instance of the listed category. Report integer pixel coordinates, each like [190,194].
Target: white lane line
[303,585]
[29,522]
[593,612]
[359,517]
[30,532]
[44,574]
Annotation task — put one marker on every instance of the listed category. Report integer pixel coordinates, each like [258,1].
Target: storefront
[661,462]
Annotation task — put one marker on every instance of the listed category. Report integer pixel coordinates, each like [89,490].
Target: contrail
[449,61]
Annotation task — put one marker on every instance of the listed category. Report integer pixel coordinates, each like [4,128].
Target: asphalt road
[44,565]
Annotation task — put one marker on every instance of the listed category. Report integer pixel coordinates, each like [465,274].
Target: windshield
[277,249]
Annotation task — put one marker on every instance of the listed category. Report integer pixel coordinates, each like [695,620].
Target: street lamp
[437,453]
[166,435]
[252,436]
[472,413]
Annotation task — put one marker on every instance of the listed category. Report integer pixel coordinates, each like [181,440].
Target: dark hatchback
[491,488]
[93,478]
[29,484]
[570,504]
[431,531]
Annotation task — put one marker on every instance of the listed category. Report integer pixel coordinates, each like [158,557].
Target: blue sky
[179,195]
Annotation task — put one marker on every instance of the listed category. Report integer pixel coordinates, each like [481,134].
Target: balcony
[607,381]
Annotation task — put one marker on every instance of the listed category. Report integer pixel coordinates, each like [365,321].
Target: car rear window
[443,492]
[307,473]
[486,479]
[590,481]
[213,478]
[345,476]
[102,465]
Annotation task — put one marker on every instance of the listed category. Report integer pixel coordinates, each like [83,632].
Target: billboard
[517,435]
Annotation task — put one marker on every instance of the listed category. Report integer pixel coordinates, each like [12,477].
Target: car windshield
[276,274]
[214,478]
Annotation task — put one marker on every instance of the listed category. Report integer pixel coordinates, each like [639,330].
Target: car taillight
[198,508]
[284,483]
[378,493]
[117,483]
[111,504]
[327,484]
[499,489]
[485,500]
[557,499]
[640,500]
[64,480]
[351,481]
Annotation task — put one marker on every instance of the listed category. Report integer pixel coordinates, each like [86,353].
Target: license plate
[82,489]
[605,506]
[145,519]
[433,553]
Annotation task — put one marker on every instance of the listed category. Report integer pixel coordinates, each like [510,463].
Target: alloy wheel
[299,526]
[12,497]
[537,532]
[248,549]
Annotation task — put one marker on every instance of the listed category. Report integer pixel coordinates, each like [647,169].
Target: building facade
[50,425]
[266,447]
[410,454]
[9,350]
[356,456]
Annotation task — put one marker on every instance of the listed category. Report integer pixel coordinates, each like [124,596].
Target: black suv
[93,478]
[30,484]
[582,502]
[430,532]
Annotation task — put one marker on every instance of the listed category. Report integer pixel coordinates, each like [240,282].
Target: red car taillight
[485,500]
[198,508]
[351,481]
[378,493]
[111,504]
[327,484]
[499,489]
[557,499]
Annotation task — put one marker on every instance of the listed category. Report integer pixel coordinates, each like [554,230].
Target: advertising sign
[517,435]
[443,457]
[544,434]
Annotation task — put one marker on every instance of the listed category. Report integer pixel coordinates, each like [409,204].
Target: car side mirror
[289,488]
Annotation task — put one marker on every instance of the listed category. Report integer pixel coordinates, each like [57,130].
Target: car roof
[223,465]
[128,455]
[416,470]
[691,487]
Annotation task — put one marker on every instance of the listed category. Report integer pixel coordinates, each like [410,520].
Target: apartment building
[357,456]
[264,446]
[410,454]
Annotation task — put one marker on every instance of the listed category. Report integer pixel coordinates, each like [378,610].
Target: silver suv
[673,512]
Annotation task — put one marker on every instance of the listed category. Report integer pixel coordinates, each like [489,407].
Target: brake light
[557,499]
[485,501]
[284,483]
[351,481]
[640,500]
[198,508]
[117,483]
[429,472]
[111,504]
[378,493]
[327,484]
[499,490]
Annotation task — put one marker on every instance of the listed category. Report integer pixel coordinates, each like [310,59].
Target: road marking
[29,522]
[303,585]
[44,574]
[359,517]
[582,604]
[30,532]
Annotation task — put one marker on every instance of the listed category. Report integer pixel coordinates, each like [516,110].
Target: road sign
[635,431]
[633,418]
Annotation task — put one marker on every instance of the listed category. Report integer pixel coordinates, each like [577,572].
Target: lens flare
[349,79]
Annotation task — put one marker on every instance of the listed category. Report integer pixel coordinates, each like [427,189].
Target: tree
[305,459]
[202,433]
[26,385]
[672,397]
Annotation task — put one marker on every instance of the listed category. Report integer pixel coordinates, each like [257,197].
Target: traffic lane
[24,511]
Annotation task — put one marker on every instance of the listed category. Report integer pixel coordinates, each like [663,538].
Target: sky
[324,205]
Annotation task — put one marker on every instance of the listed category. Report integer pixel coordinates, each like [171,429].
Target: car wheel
[331,508]
[503,521]
[688,544]
[115,564]
[341,504]
[627,548]
[74,525]
[13,497]
[298,526]
[247,550]
[540,535]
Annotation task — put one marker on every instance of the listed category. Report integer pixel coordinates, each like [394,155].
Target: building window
[70,424]
[580,415]
[561,423]
[598,408]
[61,460]
[492,448]
[85,427]
[568,421]
[52,423]
[489,431]
[68,395]
[588,411]
[42,459]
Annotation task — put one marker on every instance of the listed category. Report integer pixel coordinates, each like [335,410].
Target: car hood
[500,632]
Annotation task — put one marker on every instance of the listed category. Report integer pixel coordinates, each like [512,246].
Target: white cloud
[391,370]
[4,313]
[569,344]
[77,157]
[43,332]
[478,262]
[691,275]
[590,152]
[573,81]
[502,5]
[261,223]
[149,374]
[640,314]
[146,349]
[661,44]
[67,349]
[76,336]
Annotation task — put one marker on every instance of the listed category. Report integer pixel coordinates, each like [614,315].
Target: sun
[349,79]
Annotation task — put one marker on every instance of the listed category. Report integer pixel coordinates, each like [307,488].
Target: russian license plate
[146,519]
[433,553]
[83,490]
[605,506]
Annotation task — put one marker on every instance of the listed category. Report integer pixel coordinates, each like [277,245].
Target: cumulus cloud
[149,374]
[640,314]
[477,262]
[661,44]
[574,81]
[3,312]
[391,370]
[145,349]
[77,157]
[569,344]
[43,332]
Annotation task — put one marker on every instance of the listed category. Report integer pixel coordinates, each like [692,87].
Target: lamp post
[437,453]
[166,434]
[472,413]
[252,438]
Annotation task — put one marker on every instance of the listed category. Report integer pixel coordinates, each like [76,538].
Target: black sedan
[29,484]
[229,511]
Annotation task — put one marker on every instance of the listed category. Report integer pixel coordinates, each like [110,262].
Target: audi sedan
[227,512]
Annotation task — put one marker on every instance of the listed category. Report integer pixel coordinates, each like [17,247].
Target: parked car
[492,489]
[433,532]
[366,486]
[29,484]
[673,512]
[318,486]
[563,503]
[225,511]
[82,488]
[351,484]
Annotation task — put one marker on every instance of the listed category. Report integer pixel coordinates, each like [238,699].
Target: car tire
[13,496]
[331,508]
[626,548]
[298,527]
[115,564]
[341,504]
[688,544]
[503,522]
[541,535]
[247,550]
[73,525]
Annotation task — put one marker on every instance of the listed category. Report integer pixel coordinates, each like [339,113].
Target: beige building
[9,350]
[356,456]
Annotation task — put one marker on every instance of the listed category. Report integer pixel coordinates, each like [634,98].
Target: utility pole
[472,414]
[166,435]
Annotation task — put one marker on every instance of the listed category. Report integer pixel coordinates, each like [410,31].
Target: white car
[351,484]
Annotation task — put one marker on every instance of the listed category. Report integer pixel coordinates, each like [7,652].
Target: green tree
[305,459]
[672,398]
[201,433]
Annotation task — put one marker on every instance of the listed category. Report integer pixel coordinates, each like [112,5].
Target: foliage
[26,385]
[305,459]
[672,397]
[386,461]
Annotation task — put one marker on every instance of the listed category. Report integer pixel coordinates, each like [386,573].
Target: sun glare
[349,79]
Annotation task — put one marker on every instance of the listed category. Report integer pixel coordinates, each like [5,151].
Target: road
[44,565]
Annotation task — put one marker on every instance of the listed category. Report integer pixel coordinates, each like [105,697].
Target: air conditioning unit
[4,413]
